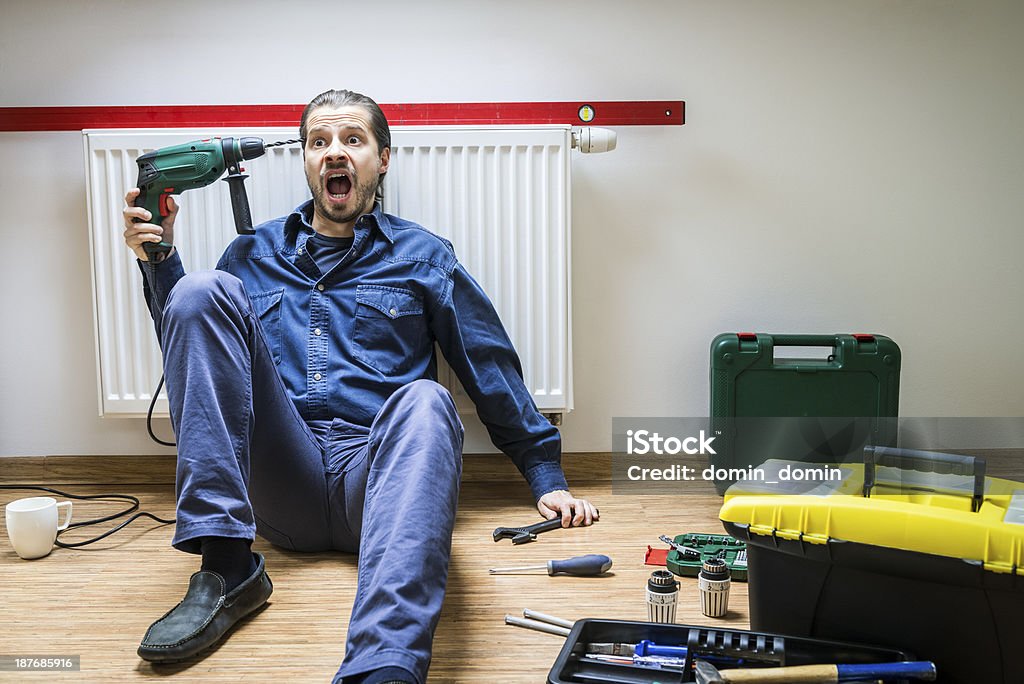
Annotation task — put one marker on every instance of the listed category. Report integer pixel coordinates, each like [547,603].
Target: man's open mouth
[338,185]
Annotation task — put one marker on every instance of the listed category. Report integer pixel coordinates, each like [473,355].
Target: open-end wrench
[523,535]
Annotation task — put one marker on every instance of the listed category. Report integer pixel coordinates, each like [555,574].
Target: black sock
[387,675]
[230,558]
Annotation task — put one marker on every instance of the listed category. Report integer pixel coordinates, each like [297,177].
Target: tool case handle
[805,340]
[925,462]
[819,340]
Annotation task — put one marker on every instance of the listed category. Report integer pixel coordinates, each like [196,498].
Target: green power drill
[172,170]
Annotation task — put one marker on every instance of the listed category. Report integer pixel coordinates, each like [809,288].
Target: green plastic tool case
[844,394]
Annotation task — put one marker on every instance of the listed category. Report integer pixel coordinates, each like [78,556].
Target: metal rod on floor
[538,626]
[550,619]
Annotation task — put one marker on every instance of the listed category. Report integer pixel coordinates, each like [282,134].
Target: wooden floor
[97,602]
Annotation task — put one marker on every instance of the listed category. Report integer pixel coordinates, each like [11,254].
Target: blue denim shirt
[345,340]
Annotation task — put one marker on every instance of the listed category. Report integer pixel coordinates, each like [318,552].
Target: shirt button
[299,250]
[394,312]
[320,287]
[317,332]
[317,376]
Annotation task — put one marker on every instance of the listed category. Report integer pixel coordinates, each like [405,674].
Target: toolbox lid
[912,511]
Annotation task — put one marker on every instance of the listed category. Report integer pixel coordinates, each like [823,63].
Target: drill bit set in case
[732,551]
[915,550]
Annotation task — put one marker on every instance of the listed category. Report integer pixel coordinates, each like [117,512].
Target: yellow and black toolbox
[912,550]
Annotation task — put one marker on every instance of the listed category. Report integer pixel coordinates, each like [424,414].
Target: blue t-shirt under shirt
[327,251]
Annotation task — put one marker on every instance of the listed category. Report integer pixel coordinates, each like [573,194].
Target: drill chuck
[250,148]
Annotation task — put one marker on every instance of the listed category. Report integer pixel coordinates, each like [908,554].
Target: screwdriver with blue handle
[580,566]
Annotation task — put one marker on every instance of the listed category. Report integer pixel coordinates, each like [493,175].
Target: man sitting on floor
[301,383]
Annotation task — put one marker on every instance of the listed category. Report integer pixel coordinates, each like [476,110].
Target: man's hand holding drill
[135,234]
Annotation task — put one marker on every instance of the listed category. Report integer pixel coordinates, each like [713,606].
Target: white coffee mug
[32,525]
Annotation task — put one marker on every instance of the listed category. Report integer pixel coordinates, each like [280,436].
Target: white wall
[844,167]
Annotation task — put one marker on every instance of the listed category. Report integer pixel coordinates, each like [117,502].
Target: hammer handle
[798,674]
[827,674]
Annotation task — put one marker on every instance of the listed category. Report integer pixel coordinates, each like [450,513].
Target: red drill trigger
[164,209]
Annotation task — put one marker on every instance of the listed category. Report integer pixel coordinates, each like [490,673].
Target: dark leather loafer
[204,615]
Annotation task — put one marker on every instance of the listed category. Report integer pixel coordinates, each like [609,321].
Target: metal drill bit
[685,550]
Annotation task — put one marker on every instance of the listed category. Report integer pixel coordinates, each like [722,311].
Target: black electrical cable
[121,497]
[149,416]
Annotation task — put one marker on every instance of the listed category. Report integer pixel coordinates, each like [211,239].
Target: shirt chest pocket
[390,333]
[267,307]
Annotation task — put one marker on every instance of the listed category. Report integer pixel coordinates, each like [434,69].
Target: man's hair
[344,98]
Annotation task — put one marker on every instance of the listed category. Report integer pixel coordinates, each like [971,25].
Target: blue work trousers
[248,463]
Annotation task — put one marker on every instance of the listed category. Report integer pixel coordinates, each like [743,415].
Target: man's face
[342,163]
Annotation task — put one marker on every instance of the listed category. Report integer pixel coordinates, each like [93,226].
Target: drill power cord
[149,416]
[120,497]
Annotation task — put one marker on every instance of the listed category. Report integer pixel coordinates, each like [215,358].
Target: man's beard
[360,200]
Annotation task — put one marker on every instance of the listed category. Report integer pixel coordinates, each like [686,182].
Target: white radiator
[500,195]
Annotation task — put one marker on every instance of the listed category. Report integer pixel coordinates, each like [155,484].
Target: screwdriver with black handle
[580,566]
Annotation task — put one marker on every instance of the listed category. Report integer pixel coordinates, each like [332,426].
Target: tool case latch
[747,342]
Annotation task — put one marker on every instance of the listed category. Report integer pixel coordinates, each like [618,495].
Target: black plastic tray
[755,648]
